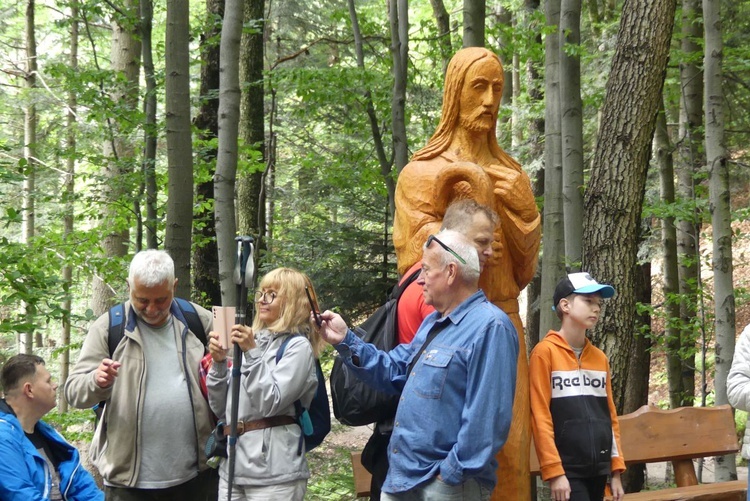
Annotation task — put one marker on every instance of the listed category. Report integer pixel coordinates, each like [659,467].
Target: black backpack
[315,421]
[116,331]
[355,403]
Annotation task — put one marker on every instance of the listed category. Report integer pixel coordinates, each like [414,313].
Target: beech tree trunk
[533,139]
[179,143]
[572,130]
[226,161]
[399,21]
[69,199]
[474,23]
[721,218]
[690,161]
[29,154]
[553,256]
[251,200]
[663,151]
[443,22]
[614,196]
[205,257]
[386,167]
[150,132]
[118,148]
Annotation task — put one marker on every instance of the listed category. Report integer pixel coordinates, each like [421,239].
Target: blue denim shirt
[456,406]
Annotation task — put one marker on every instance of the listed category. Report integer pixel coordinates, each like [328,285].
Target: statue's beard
[474,124]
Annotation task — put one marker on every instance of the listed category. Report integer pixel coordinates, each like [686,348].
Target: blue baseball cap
[580,283]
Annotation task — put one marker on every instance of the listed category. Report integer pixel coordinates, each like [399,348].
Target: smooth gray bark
[226,161]
[399,21]
[474,14]
[68,197]
[118,149]
[150,130]
[721,218]
[571,110]
[553,243]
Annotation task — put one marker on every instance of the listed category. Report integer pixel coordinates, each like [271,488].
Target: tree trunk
[593,7]
[504,17]
[205,257]
[443,21]
[69,200]
[399,21]
[663,152]
[691,160]
[386,167]
[535,145]
[251,200]
[150,133]
[118,149]
[636,393]
[572,130]
[553,267]
[179,143]
[226,161]
[614,196]
[474,23]
[721,218]
[30,156]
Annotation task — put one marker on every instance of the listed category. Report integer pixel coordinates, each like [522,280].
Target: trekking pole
[243,277]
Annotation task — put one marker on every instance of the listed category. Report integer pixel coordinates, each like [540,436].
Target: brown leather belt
[259,424]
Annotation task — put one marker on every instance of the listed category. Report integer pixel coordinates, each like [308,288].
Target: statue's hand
[512,188]
[497,246]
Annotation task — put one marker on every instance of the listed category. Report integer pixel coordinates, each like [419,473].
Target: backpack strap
[192,319]
[400,287]
[116,329]
[298,409]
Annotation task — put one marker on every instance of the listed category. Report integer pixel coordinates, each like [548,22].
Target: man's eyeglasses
[433,238]
[264,297]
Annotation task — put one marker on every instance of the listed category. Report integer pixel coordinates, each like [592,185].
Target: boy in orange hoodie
[573,416]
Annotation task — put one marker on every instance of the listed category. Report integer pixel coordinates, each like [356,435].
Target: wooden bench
[652,435]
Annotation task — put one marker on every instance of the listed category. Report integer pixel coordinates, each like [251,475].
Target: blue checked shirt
[456,406]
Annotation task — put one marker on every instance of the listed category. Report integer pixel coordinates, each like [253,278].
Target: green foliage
[740,423]
[76,425]
[331,476]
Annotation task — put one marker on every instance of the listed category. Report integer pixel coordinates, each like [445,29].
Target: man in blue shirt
[457,380]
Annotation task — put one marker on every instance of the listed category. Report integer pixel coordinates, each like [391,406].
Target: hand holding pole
[243,278]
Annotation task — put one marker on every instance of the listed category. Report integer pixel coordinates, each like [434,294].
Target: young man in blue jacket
[36,463]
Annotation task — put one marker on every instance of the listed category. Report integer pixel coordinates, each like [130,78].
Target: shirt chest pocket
[432,372]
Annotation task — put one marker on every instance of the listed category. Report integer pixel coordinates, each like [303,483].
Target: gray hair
[469,272]
[460,214]
[151,267]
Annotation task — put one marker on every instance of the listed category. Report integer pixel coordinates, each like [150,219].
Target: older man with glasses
[456,379]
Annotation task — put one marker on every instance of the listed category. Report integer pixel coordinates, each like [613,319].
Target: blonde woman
[268,464]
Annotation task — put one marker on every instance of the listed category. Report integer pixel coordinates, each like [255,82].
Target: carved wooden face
[480,95]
